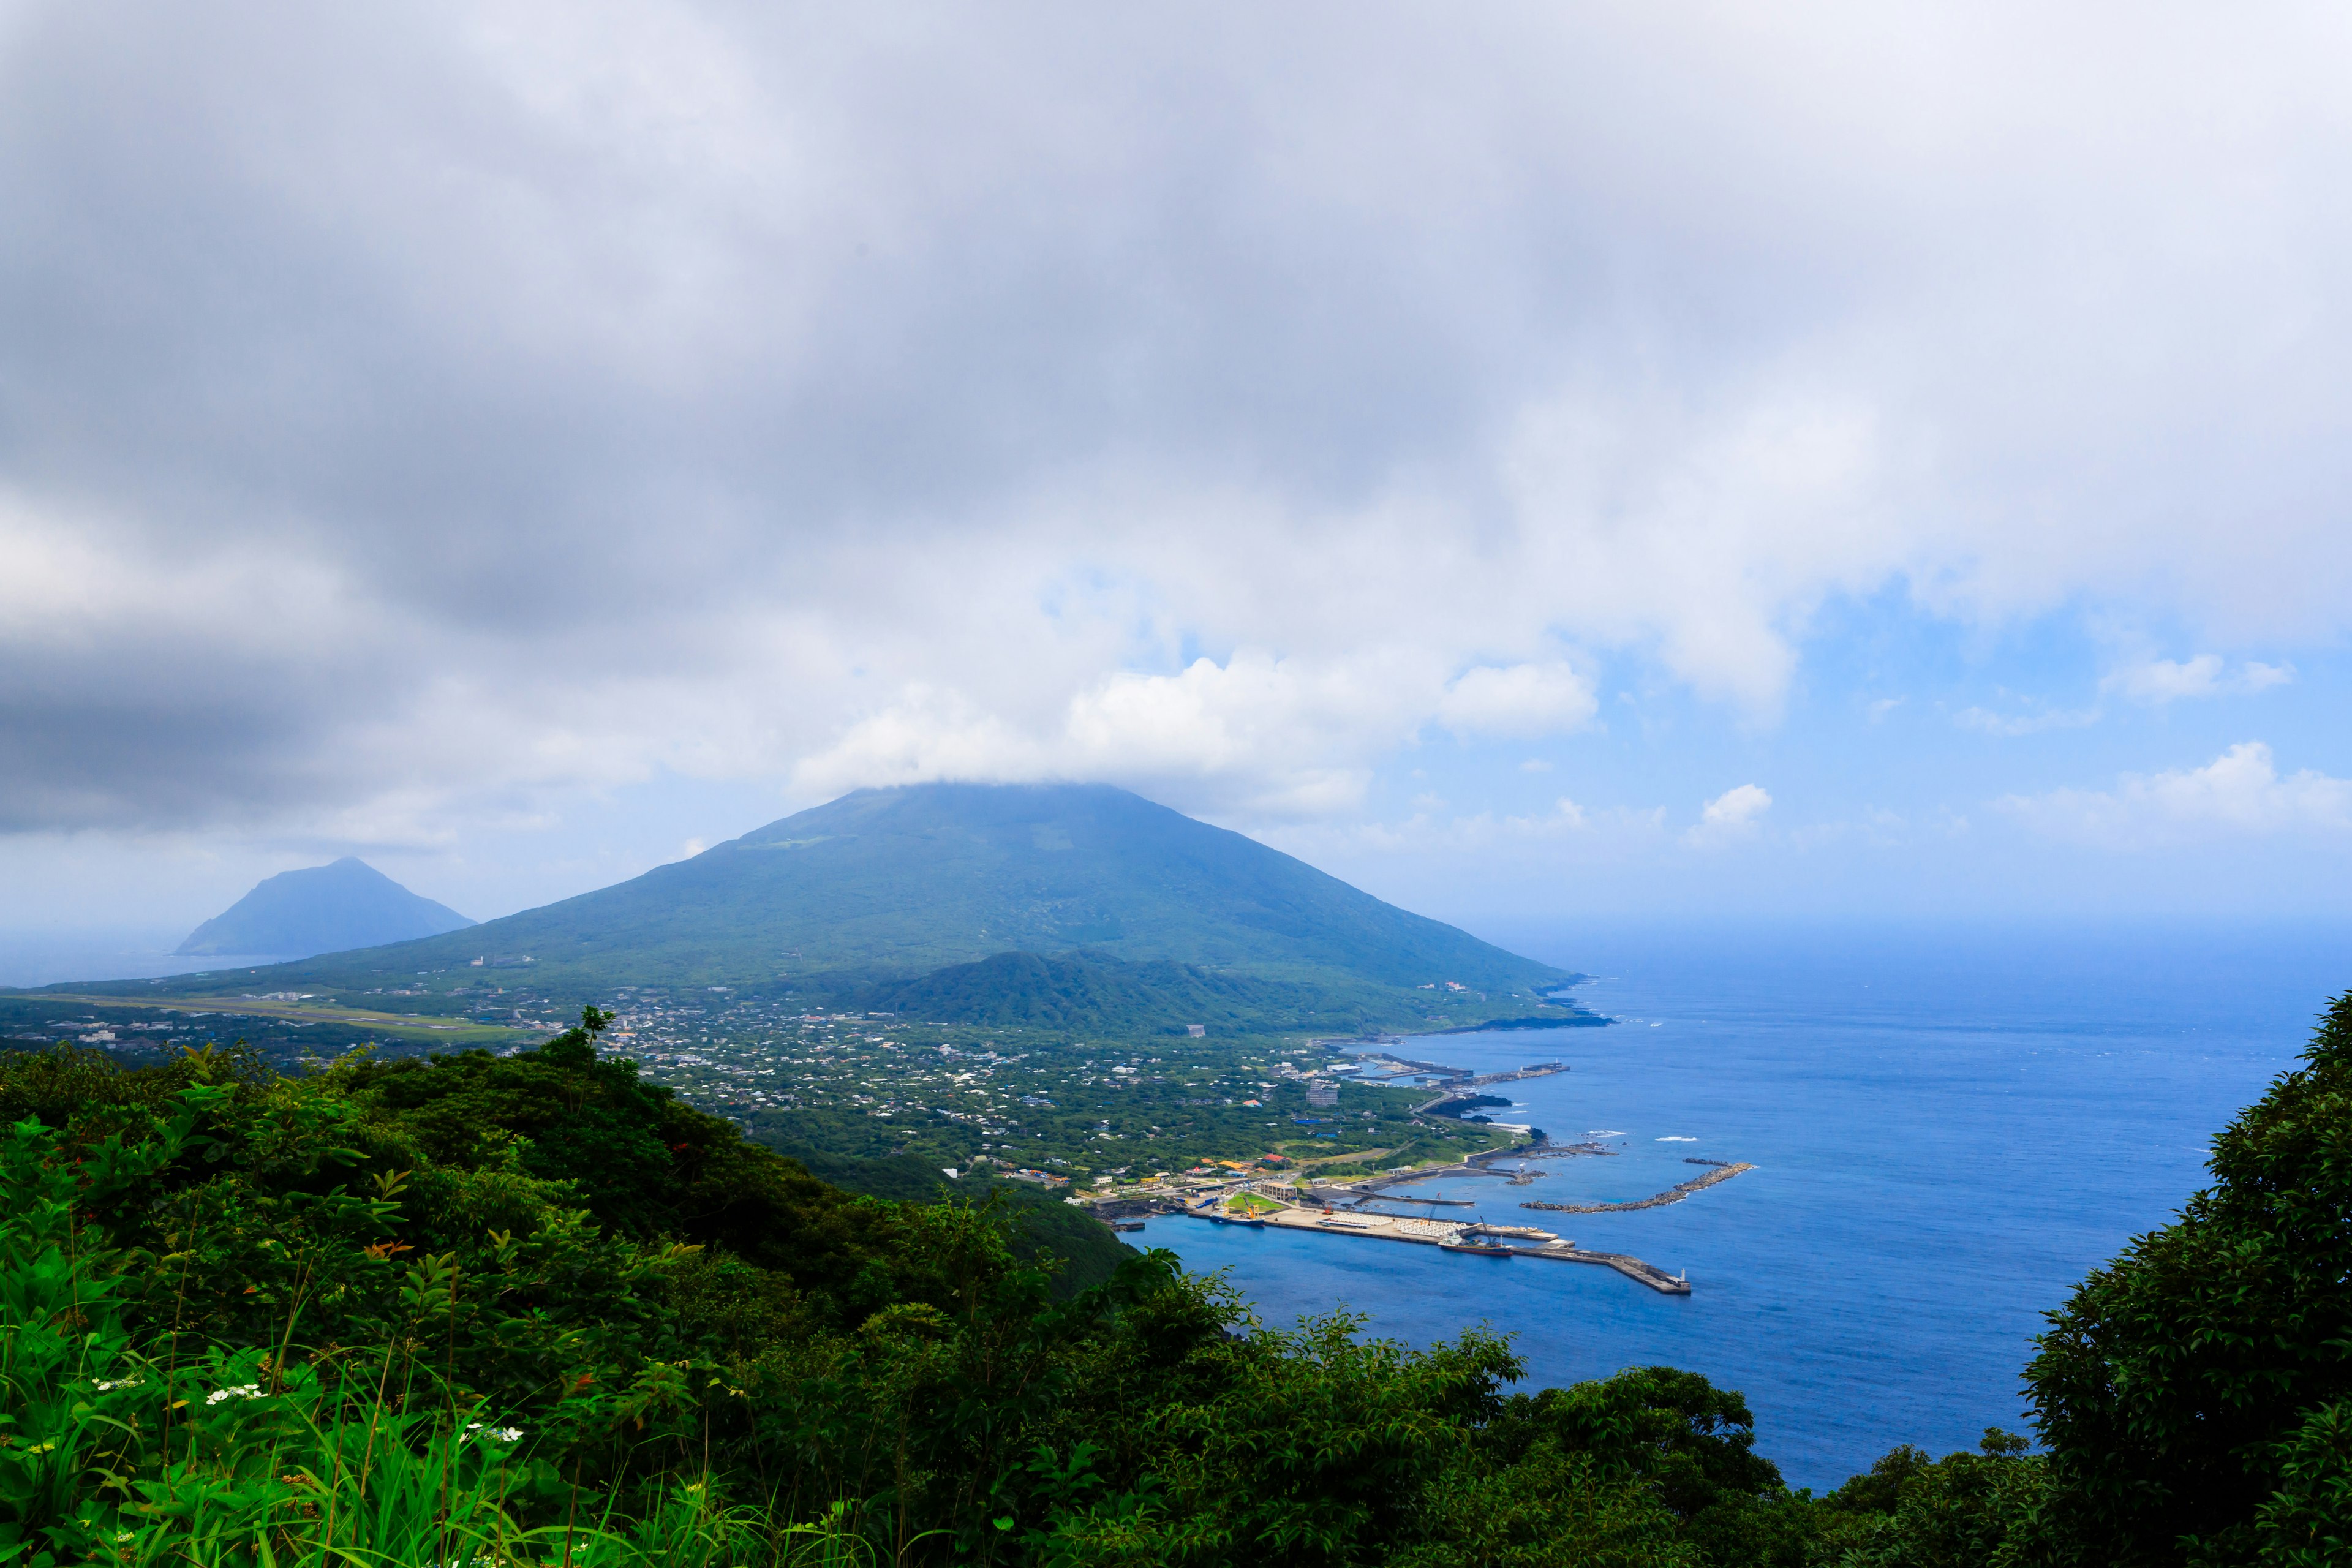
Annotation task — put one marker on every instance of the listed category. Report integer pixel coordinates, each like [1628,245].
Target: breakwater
[1673,1195]
[1633,1268]
[1450,1233]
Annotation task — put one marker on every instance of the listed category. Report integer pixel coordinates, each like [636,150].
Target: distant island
[323,909]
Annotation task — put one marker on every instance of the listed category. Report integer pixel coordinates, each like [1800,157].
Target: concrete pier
[1543,1244]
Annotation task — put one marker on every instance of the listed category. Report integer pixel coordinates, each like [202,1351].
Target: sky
[1529,460]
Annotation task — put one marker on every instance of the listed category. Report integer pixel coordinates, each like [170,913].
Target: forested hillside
[529,1310]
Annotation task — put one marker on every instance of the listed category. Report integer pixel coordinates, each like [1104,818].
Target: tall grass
[163,1454]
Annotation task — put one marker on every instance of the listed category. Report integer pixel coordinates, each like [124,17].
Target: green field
[281,1030]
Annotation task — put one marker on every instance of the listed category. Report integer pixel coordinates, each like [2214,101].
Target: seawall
[1673,1195]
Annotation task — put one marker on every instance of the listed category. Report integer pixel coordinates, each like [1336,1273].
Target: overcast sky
[1524,458]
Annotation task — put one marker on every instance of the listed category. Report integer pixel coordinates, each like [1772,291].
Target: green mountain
[325,909]
[1151,912]
[1084,991]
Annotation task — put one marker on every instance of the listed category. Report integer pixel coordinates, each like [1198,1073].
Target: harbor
[1266,1210]
[1373,1207]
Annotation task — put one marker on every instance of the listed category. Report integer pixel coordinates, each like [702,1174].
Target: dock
[1541,1243]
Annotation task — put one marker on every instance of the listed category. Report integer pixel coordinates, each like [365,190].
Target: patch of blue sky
[1919,760]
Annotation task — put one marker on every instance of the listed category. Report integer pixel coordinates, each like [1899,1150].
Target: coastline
[1471,1237]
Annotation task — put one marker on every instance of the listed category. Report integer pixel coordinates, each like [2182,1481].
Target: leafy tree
[2190,1394]
[1965,1511]
[1681,1442]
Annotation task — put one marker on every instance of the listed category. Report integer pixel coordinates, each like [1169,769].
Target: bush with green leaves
[2193,1395]
[516,1307]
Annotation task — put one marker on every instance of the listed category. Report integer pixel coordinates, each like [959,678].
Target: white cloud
[2239,793]
[2259,676]
[1523,700]
[2157,681]
[545,405]
[1257,734]
[1734,814]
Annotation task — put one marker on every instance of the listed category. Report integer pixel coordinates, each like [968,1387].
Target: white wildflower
[503,1434]
[111,1383]
[242,1391]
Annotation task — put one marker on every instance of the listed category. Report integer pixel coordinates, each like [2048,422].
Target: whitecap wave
[1671,1139]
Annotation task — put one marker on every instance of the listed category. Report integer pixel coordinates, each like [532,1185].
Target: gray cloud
[405,412]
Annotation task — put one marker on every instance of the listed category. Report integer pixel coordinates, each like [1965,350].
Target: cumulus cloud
[2239,793]
[1735,815]
[2157,681]
[407,415]
[1276,737]
[1522,700]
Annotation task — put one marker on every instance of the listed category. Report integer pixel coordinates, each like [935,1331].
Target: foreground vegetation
[483,1310]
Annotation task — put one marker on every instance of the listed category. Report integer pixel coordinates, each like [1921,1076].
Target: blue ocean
[1950,1126]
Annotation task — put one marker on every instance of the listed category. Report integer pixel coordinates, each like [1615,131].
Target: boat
[1254,1223]
[1481,1248]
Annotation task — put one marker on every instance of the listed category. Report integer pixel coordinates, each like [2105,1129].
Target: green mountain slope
[1085,991]
[883,886]
[322,909]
